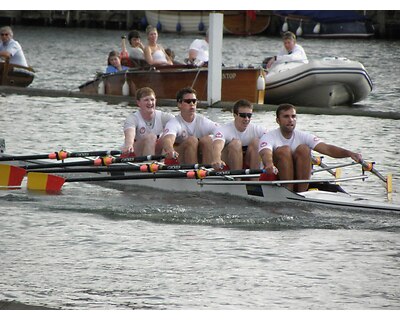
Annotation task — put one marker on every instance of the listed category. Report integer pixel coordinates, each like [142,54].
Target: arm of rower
[130,134]
[267,159]
[168,145]
[217,147]
[337,152]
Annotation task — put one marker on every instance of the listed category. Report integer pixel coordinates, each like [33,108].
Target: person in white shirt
[188,134]
[143,128]
[198,52]
[291,51]
[289,150]
[11,49]
[236,143]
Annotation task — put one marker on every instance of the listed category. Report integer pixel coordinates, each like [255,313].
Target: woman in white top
[154,53]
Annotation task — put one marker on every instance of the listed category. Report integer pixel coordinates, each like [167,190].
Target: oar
[61,155]
[325,167]
[11,176]
[151,167]
[51,183]
[104,161]
[369,166]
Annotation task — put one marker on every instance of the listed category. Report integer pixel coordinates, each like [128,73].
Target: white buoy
[125,88]
[101,88]
[299,31]
[285,26]
[260,82]
[317,28]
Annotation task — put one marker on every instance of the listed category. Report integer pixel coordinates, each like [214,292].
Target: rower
[142,129]
[188,134]
[236,143]
[289,150]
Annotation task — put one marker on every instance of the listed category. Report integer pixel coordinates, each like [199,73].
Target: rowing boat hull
[167,81]
[320,83]
[15,75]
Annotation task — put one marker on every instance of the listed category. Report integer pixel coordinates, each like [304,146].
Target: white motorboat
[326,82]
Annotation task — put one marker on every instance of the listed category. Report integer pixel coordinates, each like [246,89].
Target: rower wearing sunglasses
[188,135]
[235,144]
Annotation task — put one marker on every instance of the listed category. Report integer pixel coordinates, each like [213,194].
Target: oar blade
[11,176]
[44,182]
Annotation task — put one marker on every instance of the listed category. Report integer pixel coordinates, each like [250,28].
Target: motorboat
[326,82]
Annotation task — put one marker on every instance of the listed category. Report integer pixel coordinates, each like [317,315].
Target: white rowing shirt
[199,127]
[143,127]
[228,132]
[274,139]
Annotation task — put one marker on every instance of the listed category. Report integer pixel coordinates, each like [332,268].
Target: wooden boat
[15,75]
[237,83]
[248,22]
[326,23]
[326,82]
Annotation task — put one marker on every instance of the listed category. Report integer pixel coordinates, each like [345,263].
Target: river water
[98,247]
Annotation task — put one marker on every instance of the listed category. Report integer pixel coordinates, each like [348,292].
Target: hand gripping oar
[51,183]
[61,155]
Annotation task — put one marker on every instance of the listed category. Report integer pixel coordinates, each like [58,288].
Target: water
[98,247]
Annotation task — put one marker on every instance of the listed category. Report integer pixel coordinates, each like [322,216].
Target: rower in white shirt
[236,143]
[188,134]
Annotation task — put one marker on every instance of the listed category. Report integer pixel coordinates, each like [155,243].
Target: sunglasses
[188,101]
[4,34]
[244,115]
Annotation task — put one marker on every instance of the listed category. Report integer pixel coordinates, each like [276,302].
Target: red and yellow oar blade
[44,182]
[11,176]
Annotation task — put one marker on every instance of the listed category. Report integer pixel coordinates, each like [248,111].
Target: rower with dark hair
[289,150]
[236,143]
[188,134]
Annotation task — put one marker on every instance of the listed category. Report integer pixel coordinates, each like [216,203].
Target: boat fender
[178,27]
[201,26]
[285,26]
[299,31]
[159,26]
[317,28]
[125,89]
[101,88]
[260,82]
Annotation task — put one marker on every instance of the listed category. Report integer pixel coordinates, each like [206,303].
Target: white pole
[214,82]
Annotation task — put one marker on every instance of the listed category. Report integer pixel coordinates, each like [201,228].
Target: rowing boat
[15,75]
[324,192]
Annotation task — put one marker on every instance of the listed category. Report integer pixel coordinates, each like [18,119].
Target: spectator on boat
[10,49]
[143,128]
[289,150]
[154,53]
[198,52]
[291,51]
[114,63]
[188,134]
[136,49]
[236,143]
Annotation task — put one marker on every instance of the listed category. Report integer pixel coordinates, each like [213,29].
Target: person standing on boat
[291,51]
[289,150]
[154,53]
[188,134]
[236,143]
[114,63]
[143,128]
[11,49]
[198,52]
